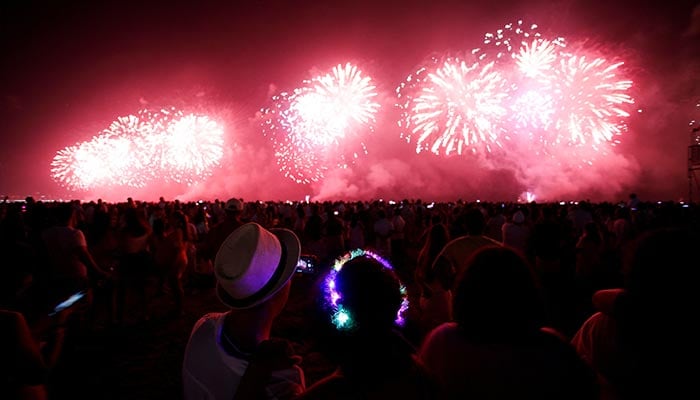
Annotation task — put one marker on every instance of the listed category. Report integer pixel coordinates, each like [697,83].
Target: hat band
[234,302]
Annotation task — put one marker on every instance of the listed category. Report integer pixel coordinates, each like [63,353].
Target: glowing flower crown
[340,316]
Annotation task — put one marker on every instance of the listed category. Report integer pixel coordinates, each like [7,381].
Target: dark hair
[135,223]
[158,227]
[436,239]
[497,296]
[373,356]
[656,313]
[593,232]
[182,222]
[63,212]
[658,266]
[370,292]
[474,221]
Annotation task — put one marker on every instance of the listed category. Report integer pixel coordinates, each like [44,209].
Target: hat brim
[286,270]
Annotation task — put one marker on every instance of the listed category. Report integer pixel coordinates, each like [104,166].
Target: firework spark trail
[542,102]
[550,106]
[535,59]
[532,105]
[474,109]
[453,106]
[152,144]
[560,98]
[320,124]
[296,155]
[526,60]
[592,99]
[129,151]
[569,116]
[114,157]
[351,93]
[136,150]
[191,147]
[516,39]
[77,167]
[532,110]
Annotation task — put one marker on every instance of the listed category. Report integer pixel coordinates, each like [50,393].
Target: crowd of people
[496,300]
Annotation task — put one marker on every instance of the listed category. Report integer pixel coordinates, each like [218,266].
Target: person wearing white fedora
[253,269]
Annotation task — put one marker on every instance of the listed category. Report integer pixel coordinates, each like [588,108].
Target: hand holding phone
[67,303]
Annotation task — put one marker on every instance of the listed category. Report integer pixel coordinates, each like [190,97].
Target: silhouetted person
[643,339]
[498,346]
[374,359]
[219,232]
[234,351]
[70,263]
[23,370]
[434,289]
[453,258]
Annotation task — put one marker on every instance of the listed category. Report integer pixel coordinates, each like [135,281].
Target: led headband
[339,315]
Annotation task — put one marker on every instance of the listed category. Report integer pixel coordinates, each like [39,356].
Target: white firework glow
[321,124]
[452,107]
[136,150]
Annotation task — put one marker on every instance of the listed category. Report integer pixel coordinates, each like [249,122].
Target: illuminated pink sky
[68,71]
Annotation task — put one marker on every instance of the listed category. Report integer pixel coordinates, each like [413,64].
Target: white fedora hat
[253,263]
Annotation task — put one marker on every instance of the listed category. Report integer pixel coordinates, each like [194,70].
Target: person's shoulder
[468,242]
[450,250]
[10,318]
[208,321]
[597,320]
[212,317]
[555,342]
[328,387]
[487,241]
[454,243]
[442,333]
[597,329]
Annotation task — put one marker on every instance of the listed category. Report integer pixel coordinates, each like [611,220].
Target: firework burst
[191,148]
[129,148]
[321,124]
[452,106]
[559,99]
[535,59]
[114,157]
[592,100]
[78,167]
[545,104]
[519,40]
[296,156]
[136,150]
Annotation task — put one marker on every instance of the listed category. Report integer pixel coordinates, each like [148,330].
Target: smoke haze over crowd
[71,69]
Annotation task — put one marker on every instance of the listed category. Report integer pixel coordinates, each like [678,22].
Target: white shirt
[208,372]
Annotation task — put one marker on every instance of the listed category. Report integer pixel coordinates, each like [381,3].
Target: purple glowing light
[339,316]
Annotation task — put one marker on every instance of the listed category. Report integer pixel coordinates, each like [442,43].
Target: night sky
[70,68]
